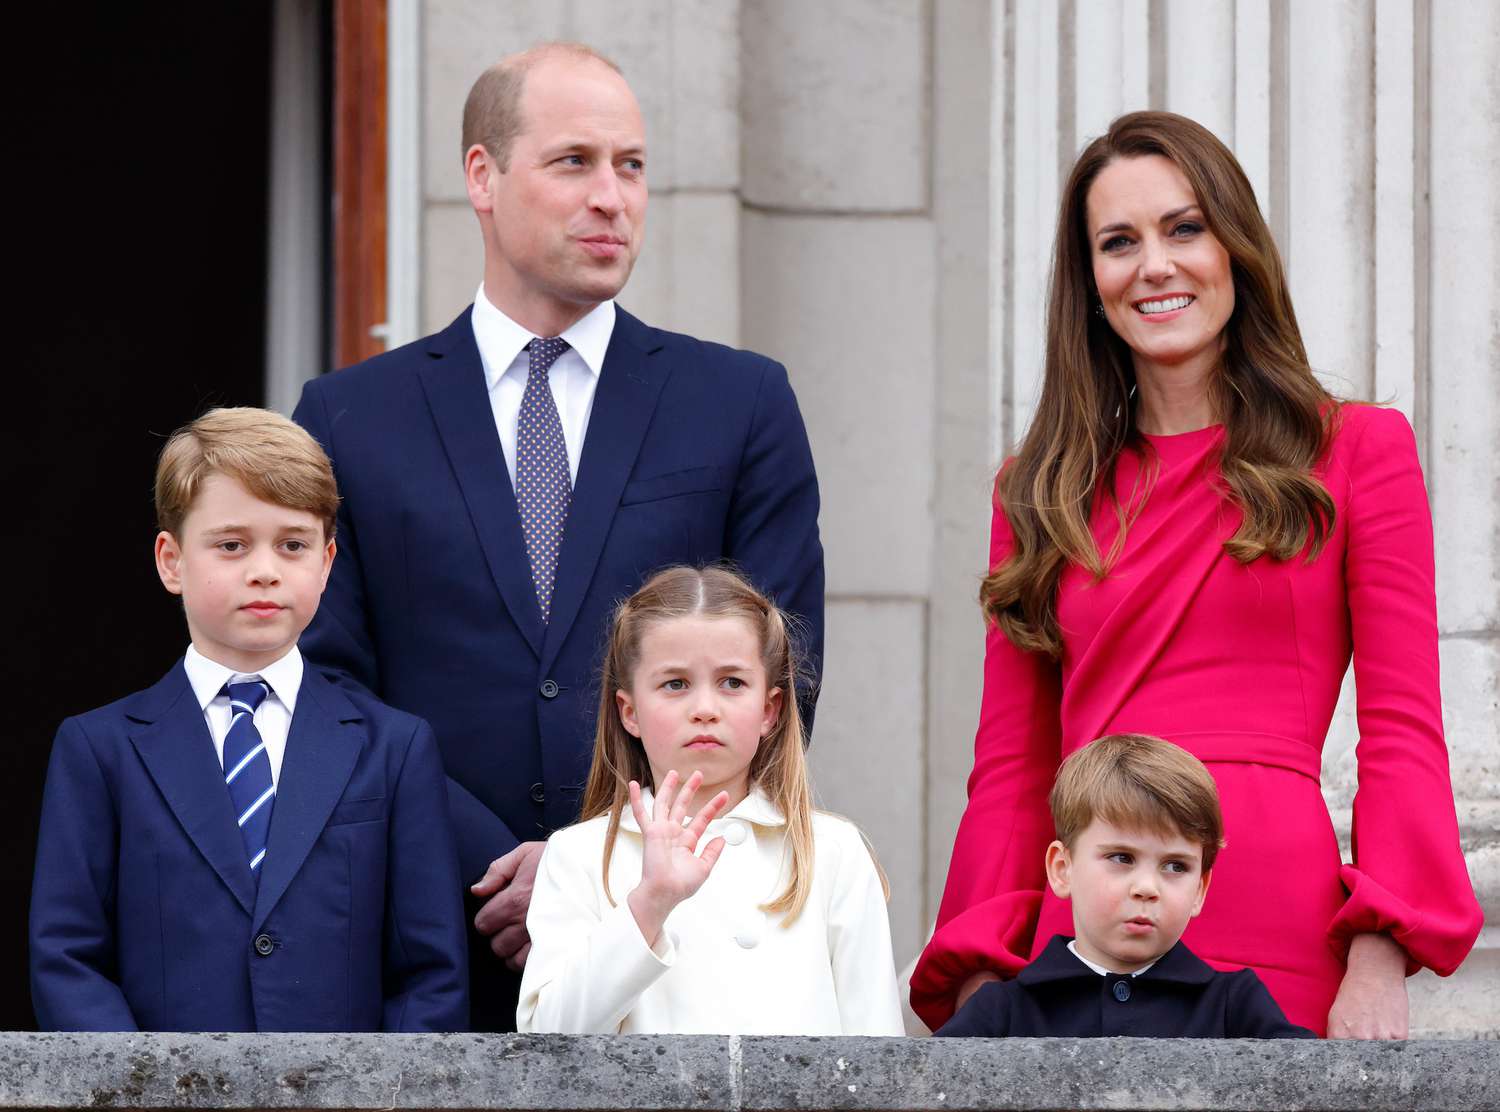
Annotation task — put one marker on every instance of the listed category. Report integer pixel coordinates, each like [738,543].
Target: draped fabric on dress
[1241,665]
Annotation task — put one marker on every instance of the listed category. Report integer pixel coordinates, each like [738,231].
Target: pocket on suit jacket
[357,810]
[694,480]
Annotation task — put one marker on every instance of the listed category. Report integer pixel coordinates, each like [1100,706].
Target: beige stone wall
[865,190]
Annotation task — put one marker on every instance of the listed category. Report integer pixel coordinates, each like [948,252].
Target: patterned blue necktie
[543,486]
[247,769]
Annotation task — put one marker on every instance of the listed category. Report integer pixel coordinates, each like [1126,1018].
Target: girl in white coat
[778,927]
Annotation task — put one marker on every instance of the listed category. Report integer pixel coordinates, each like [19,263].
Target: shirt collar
[208,677]
[501,339]
[755,808]
[1058,963]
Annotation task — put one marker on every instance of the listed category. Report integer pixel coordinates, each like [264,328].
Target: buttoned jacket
[721,965]
[1058,996]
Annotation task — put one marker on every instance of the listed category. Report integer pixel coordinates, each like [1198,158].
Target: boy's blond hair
[273,458]
[1138,782]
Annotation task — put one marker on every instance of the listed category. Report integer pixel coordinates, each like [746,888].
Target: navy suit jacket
[1057,996]
[694,453]
[144,912]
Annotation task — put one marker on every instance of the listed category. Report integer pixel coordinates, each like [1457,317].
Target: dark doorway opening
[141,302]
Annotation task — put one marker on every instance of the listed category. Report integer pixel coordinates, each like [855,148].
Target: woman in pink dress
[1192,541]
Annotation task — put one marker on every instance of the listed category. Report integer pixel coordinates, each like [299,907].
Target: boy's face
[250,573]
[1133,892]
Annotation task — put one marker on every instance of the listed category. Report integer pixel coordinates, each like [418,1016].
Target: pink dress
[1240,665]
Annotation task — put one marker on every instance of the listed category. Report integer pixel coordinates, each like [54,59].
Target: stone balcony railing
[651,1073]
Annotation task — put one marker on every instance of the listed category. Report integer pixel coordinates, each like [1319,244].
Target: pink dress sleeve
[994,888]
[1408,877]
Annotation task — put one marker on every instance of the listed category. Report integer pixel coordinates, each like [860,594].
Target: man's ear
[169,562]
[1059,870]
[478,168]
[626,706]
[1203,880]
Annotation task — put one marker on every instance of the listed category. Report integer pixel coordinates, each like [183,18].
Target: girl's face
[1163,278]
[699,700]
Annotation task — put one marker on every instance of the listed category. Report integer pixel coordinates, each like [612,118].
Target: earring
[1099,309]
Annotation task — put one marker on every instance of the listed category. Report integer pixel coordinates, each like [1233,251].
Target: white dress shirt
[273,719]
[721,965]
[573,378]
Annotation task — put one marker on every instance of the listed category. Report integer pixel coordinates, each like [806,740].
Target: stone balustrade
[649,1073]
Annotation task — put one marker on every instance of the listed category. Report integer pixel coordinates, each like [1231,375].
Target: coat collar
[756,808]
[1057,963]
[629,385]
[170,735]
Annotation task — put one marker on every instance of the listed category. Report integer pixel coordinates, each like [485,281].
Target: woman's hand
[670,872]
[1371,1003]
[973,985]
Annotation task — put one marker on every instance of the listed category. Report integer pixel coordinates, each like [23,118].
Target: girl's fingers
[637,808]
[711,811]
[665,794]
[684,797]
[711,853]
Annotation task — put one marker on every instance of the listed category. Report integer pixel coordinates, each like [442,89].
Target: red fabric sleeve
[995,879]
[1408,878]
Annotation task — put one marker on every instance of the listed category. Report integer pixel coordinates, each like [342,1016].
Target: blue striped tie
[247,769]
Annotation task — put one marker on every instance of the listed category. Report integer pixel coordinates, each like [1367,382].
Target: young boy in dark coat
[244,846]
[1138,827]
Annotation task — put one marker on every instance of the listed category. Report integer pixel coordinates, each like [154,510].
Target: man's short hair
[492,112]
[1138,782]
[270,456]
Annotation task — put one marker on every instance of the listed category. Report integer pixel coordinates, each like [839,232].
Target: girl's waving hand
[670,869]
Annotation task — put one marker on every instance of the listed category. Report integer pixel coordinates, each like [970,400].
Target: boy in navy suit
[1138,827]
[245,846]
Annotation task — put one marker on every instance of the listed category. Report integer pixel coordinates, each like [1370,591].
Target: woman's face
[1164,279]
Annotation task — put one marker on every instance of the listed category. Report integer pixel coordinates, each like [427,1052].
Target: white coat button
[734,834]
[748,938]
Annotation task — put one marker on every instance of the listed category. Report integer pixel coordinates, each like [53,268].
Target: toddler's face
[250,573]
[699,700]
[1133,892]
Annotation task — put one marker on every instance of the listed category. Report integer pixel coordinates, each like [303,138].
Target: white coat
[721,965]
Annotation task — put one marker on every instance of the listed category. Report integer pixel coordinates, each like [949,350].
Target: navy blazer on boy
[144,912]
[694,452]
[1058,996]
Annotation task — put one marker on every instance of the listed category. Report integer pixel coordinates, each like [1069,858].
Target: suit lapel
[325,740]
[174,744]
[624,400]
[453,379]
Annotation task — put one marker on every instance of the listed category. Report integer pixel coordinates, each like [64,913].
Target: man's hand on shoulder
[508,883]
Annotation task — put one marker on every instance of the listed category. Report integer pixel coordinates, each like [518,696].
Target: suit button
[549,689]
[264,944]
[539,793]
[1121,991]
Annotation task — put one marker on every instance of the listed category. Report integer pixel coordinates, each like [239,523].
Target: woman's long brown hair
[1277,416]
[779,766]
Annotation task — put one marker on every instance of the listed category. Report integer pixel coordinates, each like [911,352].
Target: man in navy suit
[492,517]
[245,846]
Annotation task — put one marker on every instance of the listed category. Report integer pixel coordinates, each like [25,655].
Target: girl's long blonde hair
[779,766]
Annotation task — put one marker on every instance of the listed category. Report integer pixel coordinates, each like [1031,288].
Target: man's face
[563,222]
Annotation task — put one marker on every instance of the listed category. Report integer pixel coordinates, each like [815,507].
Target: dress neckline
[1173,447]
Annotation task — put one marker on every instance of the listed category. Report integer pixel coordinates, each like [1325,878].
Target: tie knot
[247,693]
[545,351]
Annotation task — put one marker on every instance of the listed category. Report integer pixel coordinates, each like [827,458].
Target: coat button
[538,793]
[734,832]
[549,689]
[1121,991]
[264,944]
